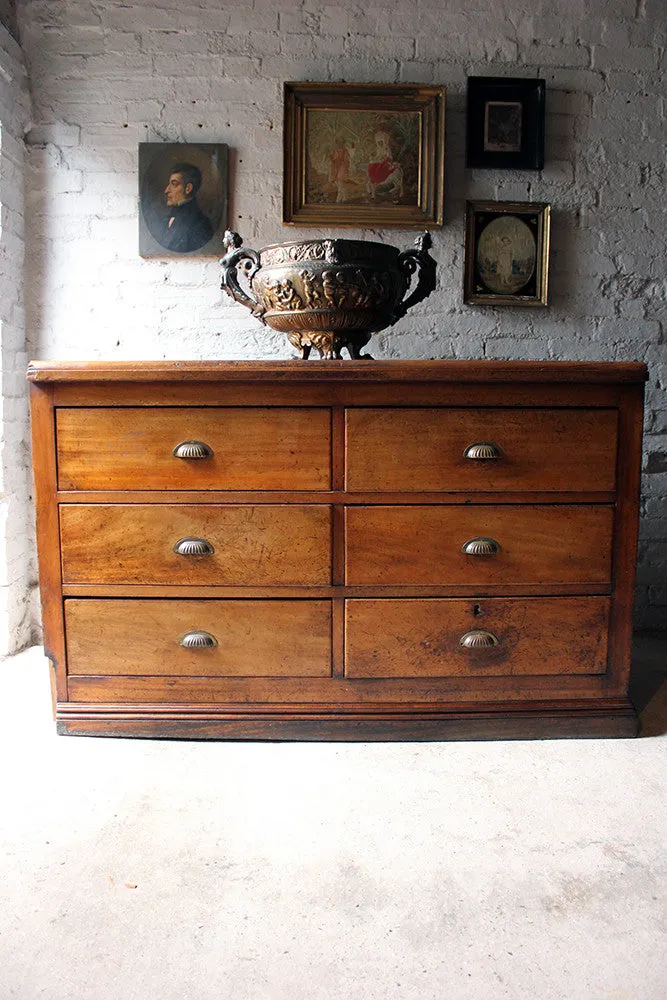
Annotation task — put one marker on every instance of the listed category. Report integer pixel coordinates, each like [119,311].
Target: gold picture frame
[506,253]
[364,155]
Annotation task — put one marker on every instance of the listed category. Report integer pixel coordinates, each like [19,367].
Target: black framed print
[505,123]
[506,253]
[182,199]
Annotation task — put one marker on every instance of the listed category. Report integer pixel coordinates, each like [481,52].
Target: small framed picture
[505,123]
[364,155]
[506,253]
[182,199]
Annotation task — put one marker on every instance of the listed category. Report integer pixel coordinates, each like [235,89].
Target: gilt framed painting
[506,253]
[182,199]
[505,123]
[364,155]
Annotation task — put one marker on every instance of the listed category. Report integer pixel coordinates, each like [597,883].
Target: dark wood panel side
[338,638]
[626,525]
[48,534]
[514,723]
[338,449]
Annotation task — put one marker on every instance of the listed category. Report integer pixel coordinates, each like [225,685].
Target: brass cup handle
[192,450]
[481,546]
[478,639]
[193,547]
[197,639]
[482,451]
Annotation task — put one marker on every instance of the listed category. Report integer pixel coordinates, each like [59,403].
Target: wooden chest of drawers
[338,550]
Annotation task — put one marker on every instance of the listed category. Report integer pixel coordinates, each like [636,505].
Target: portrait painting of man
[182,198]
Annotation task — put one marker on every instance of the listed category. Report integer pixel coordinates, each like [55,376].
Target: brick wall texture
[105,77]
[17,566]
[8,16]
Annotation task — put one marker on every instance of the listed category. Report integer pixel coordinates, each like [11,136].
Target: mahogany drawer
[203,638]
[264,545]
[536,544]
[477,638]
[251,448]
[425,449]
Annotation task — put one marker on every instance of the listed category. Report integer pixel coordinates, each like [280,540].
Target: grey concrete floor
[162,870]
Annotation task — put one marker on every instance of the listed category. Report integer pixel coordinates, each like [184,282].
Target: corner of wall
[18,622]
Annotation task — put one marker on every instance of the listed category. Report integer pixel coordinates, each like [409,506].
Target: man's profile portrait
[182,198]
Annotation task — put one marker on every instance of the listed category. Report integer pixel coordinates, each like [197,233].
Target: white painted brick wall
[8,16]
[17,565]
[105,77]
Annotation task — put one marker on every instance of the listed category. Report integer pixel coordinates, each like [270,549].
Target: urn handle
[409,261]
[246,259]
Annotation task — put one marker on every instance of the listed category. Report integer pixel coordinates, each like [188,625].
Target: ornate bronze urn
[328,294]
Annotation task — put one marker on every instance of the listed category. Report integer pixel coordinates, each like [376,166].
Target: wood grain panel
[48,536]
[337,371]
[219,591]
[254,448]
[290,694]
[322,496]
[346,391]
[625,540]
[423,449]
[255,638]
[422,545]
[535,636]
[254,546]
[512,723]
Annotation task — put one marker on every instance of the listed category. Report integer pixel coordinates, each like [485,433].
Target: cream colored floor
[147,870]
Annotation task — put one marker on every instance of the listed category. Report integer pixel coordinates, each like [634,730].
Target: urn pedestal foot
[330,343]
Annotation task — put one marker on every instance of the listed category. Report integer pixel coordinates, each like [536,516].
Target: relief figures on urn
[362,157]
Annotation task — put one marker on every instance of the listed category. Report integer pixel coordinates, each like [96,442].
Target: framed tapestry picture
[506,253]
[182,199]
[505,123]
[364,155]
